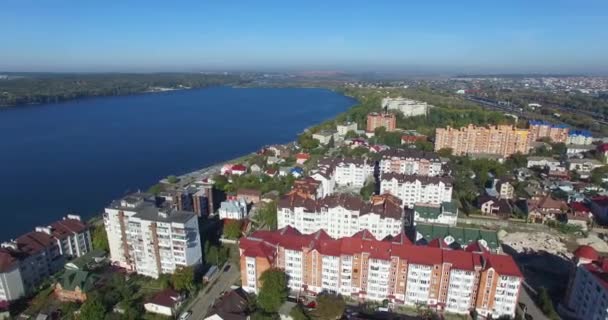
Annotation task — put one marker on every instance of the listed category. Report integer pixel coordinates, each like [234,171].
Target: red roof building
[587,291]
[301,158]
[395,269]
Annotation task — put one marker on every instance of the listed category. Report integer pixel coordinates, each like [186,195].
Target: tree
[559,148]
[267,215]
[298,313]
[424,145]
[183,279]
[172,179]
[156,189]
[273,292]
[92,309]
[546,305]
[368,190]
[306,141]
[100,238]
[232,229]
[445,152]
[351,134]
[329,306]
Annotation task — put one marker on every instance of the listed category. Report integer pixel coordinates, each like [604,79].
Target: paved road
[533,309]
[201,305]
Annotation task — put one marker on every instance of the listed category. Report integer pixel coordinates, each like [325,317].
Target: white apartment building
[407,107]
[363,267]
[341,215]
[28,260]
[581,137]
[149,240]
[353,172]
[235,209]
[345,127]
[410,161]
[412,189]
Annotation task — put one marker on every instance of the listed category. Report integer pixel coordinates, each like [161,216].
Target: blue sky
[417,36]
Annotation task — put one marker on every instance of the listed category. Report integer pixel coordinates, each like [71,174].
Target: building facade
[502,140]
[543,129]
[407,107]
[378,120]
[410,161]
[587,295]
[345,127]
[341,215]
[583,137]
[445,213]
[413,189]
[353,172]
[365,268]
[150,240]
[235,209]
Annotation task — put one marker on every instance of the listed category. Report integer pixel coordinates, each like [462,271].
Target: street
[533,310]
[201,305]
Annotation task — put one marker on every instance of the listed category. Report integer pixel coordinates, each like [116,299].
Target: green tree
[92,309]
[172,179]
[99,238]
[425,146]
[367,190]
[267,215]
[298,313]
[329,306]
[351,134]
[306,141]
[232,229]
[183,279]
[558,148]
[156,189]
[445,152]
[273,292]
[546,305]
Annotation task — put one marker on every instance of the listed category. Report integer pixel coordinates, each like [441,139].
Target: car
[185,315]
[226,268]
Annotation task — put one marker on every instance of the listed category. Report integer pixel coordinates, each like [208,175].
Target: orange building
[503,140]
[378,120]
[543,129]
[365,268]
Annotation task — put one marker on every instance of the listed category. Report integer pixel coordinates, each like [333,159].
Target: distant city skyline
[565,37]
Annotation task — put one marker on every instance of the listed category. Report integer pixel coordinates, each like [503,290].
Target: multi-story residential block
[341,215]
[31,258]
[353,172]
[345,127]
[410,161]
[233,209]
[365,268]
[445,213]
[579,137]
[378,120]
[150,240]
[587,295]
[325,137]
[407,107]
[413,189]
[502,140]
[543,129]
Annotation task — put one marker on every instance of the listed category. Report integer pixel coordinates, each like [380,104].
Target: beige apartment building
[502,140]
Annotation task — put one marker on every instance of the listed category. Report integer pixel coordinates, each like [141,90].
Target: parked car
[185,315]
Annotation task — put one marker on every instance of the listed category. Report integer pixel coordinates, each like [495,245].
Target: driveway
[206,297]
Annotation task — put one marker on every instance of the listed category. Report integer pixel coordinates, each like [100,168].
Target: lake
[77,156]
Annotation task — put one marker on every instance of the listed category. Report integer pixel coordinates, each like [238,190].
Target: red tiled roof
[166,298]
[34,241]
[599,269]
[364,241]
[302,156]
[586,252]
[579,207]
[67,227]
[239,167]
[7,260]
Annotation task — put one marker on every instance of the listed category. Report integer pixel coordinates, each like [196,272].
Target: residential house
[501,140]
[280,151]
[296,172]
[255,168]
[573,149]
[579,214]
[583,166]
[232,305]
[412,139]
[362,267]
[166,303]
[501,189]
[543,129]
[235,209]
[542,162]
[444,213]
[493,206]
[274,160]
[545,207]
[249,195]
[271,172]
[238,169]
[301,158]
[74,285]
[407,107]
[284,171]
[352,172]
[325,137]
[151,240]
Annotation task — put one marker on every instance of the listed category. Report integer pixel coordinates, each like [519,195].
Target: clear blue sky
[435,36]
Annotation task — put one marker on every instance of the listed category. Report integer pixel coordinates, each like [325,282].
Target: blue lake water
[75,157]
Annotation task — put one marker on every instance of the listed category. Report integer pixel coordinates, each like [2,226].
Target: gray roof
[151,213]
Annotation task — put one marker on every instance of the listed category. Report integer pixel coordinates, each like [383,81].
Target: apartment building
[149,240]
[378,120]
[587,295]
[365,268]
[407,107]
[341,215]
[28,260]
[445,213]
[410,161]
[345,127]
[413,189]
[542,129]
[502,140]
[353,172]
[582,137]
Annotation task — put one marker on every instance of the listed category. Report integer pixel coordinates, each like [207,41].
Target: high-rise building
[414,189]
[587,294]
[502,140]
[410,161]
[543,129]
[365,268]
[378,120]
[151,240]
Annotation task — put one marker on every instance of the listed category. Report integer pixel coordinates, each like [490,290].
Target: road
[533,310]
[201,305]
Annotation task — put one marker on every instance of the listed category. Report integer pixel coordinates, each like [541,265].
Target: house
[166,303]
[238,169]
[542,162]
[411,138]
[583,166]
[73,286]
[301,158]
[271,172]
[233,209]
[249,195]
[559,173]
[284,171]
[325,137]
[573,149]
[226,169]
[501,189]
[274,160]
[356,142]
[255,168]
[545,207]
[599,209]
[579,214]
[494,206]
[343,128]
[444,213]
[280,151]
[296,172]
[603,150]
[233,305]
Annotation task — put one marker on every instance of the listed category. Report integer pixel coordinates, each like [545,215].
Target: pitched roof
[166,298]
[72,279]
[64,228]
[8,259]
[233,305]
